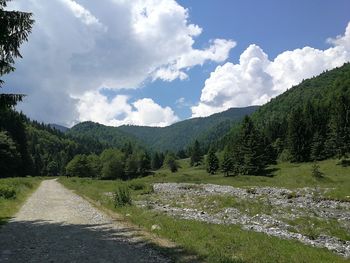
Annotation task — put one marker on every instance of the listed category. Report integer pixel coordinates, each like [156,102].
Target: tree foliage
[212,161]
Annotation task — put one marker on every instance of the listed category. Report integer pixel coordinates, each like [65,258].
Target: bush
[316,171]
[7,192]
[137,186]
[122,196]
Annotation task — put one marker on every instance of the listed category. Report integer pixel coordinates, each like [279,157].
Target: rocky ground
[56,225]
[274,211]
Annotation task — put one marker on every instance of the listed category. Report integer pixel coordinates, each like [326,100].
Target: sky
[156,62]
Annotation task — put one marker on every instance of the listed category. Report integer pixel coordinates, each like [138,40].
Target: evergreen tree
[170,161]
[340,123]
[15,27]
[317,147]
[156,161]
[131,165]
[144,163]
[196,154]
[9,156]
[227,162]
[249,151]
[297,136]
[212,161]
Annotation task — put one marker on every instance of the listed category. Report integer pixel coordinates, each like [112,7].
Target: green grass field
[13,192]
[219,243]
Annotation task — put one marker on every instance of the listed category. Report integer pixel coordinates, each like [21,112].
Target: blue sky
[154,62]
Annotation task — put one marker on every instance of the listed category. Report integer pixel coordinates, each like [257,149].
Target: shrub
[7,192]
[122,196]
[316,171]
[137,186]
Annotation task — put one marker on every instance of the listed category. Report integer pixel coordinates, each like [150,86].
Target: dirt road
[56,225]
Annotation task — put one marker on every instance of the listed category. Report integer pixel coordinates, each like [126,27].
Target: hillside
[174,137]
[319,89]
[309,122]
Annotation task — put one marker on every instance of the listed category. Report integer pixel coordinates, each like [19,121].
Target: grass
[220,243]
[286,175]
[22,188]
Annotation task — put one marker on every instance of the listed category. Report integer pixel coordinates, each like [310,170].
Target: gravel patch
[286,204]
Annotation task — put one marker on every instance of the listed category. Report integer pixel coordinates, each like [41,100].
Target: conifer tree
[212,161]
[227,162]
[297,136]
[15,27]
[196,154]
[249,150]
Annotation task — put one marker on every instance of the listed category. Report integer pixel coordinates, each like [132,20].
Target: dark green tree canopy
[15,27]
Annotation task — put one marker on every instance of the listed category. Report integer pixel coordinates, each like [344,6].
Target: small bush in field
[316,171]
[122,196]
[137,186]
[7,192]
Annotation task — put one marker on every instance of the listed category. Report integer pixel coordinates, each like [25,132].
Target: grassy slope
[23,187]
[215,243]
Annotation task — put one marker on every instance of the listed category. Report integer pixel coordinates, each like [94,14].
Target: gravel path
[56,225]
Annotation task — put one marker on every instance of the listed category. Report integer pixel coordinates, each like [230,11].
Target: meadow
[228,243]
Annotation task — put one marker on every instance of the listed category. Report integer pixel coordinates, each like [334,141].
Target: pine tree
[15,27]
[156,161]
[227,163]
[170,161]
[249,152]
[196,154]
[212,161]
[297,136]
[317,147]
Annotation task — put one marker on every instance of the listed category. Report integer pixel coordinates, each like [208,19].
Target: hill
[58,127]
[174,137]
[308,122]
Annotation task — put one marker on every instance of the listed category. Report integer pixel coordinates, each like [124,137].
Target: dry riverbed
[301,214]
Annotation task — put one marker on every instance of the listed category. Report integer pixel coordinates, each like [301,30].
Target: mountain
[174,137]
[59,127]
[308,122]
[321,89]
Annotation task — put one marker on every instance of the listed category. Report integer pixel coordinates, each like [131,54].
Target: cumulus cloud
[93,106]
[256,78]
[80,46]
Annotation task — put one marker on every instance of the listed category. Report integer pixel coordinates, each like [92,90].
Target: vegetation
[13,192]
[212,162]
[221,243]
[122,196]
[176,137]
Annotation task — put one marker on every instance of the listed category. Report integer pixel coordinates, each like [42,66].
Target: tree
[15,27]
[52,169]
[9,156]
[144,163]
[170,161]
[131,165]
[227,162]
[297,136]
[249,150]
[95,164]
[212,161]
[156,161]
[112,164]
[79,166]
[196,154]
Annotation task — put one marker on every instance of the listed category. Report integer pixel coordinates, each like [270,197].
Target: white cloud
[80,12]
[96,107]
[80,46]
[256,79]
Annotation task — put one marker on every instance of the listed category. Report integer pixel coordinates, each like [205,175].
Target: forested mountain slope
[174,137]
[310,121]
